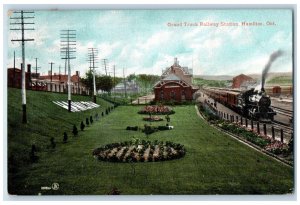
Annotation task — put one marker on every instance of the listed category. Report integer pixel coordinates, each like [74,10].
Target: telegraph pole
[104,62]
[20,19]
[93,56]
[114,78]
[51,63]
[125,88]
[68,50]
[59,77]
[36,75]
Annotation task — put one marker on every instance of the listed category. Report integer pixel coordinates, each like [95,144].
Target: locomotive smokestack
[267,67]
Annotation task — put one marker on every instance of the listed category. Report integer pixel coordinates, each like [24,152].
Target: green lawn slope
[214,162]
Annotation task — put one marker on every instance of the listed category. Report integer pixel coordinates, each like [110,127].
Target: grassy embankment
[214,163]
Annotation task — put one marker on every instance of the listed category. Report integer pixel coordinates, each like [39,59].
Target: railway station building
[175,84]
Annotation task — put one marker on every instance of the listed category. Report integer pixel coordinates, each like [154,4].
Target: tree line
[106,83]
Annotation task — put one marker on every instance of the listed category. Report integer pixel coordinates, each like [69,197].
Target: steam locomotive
[254,104]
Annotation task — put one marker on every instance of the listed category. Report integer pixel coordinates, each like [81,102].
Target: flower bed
[157,110]
[140,151]
[153,119]
[263,141]
[277,147]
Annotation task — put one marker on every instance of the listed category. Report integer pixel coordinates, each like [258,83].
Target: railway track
[278,125]
[285,112]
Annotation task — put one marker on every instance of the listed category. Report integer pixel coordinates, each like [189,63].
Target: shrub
[87,121]
[91,119]
[82,126]
[135,128]
[163,128]
[75,131]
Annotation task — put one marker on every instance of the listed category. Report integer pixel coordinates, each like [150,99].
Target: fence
[276,132]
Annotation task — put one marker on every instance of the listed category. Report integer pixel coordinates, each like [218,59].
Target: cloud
[140,44]
[157,39]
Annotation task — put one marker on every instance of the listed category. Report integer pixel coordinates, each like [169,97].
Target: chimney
[175,61]
[77,73]
[28,68]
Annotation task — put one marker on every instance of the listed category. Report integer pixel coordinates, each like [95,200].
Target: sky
[147,41]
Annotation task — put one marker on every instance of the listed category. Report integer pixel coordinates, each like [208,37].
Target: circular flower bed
[152,119]
[157,109]
[139,151]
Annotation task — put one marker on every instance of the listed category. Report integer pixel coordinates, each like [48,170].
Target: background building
[243,81]
[51,83]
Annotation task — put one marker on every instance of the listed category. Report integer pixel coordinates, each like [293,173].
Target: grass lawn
[282,80]
[214,163]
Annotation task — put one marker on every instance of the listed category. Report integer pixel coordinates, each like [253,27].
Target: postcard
[150,102]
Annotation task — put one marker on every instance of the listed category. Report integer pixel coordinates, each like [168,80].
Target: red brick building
[54,83]
[176,84]
[59,83]
[242,79]
[14,77]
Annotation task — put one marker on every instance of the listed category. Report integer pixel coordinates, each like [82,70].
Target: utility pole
[36,75]
[125,87]
[59,77]
[114,79]
[104,62]
[68,50]
[20,18]
[51,63]
[93,56]
[90,80]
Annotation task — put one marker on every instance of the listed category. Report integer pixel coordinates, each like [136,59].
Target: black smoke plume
[267,67]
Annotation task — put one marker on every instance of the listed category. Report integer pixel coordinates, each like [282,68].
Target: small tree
[87,121]
[106,111]
[75,131]
[102,114]
[91,119]
[65,138]
[82,126]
